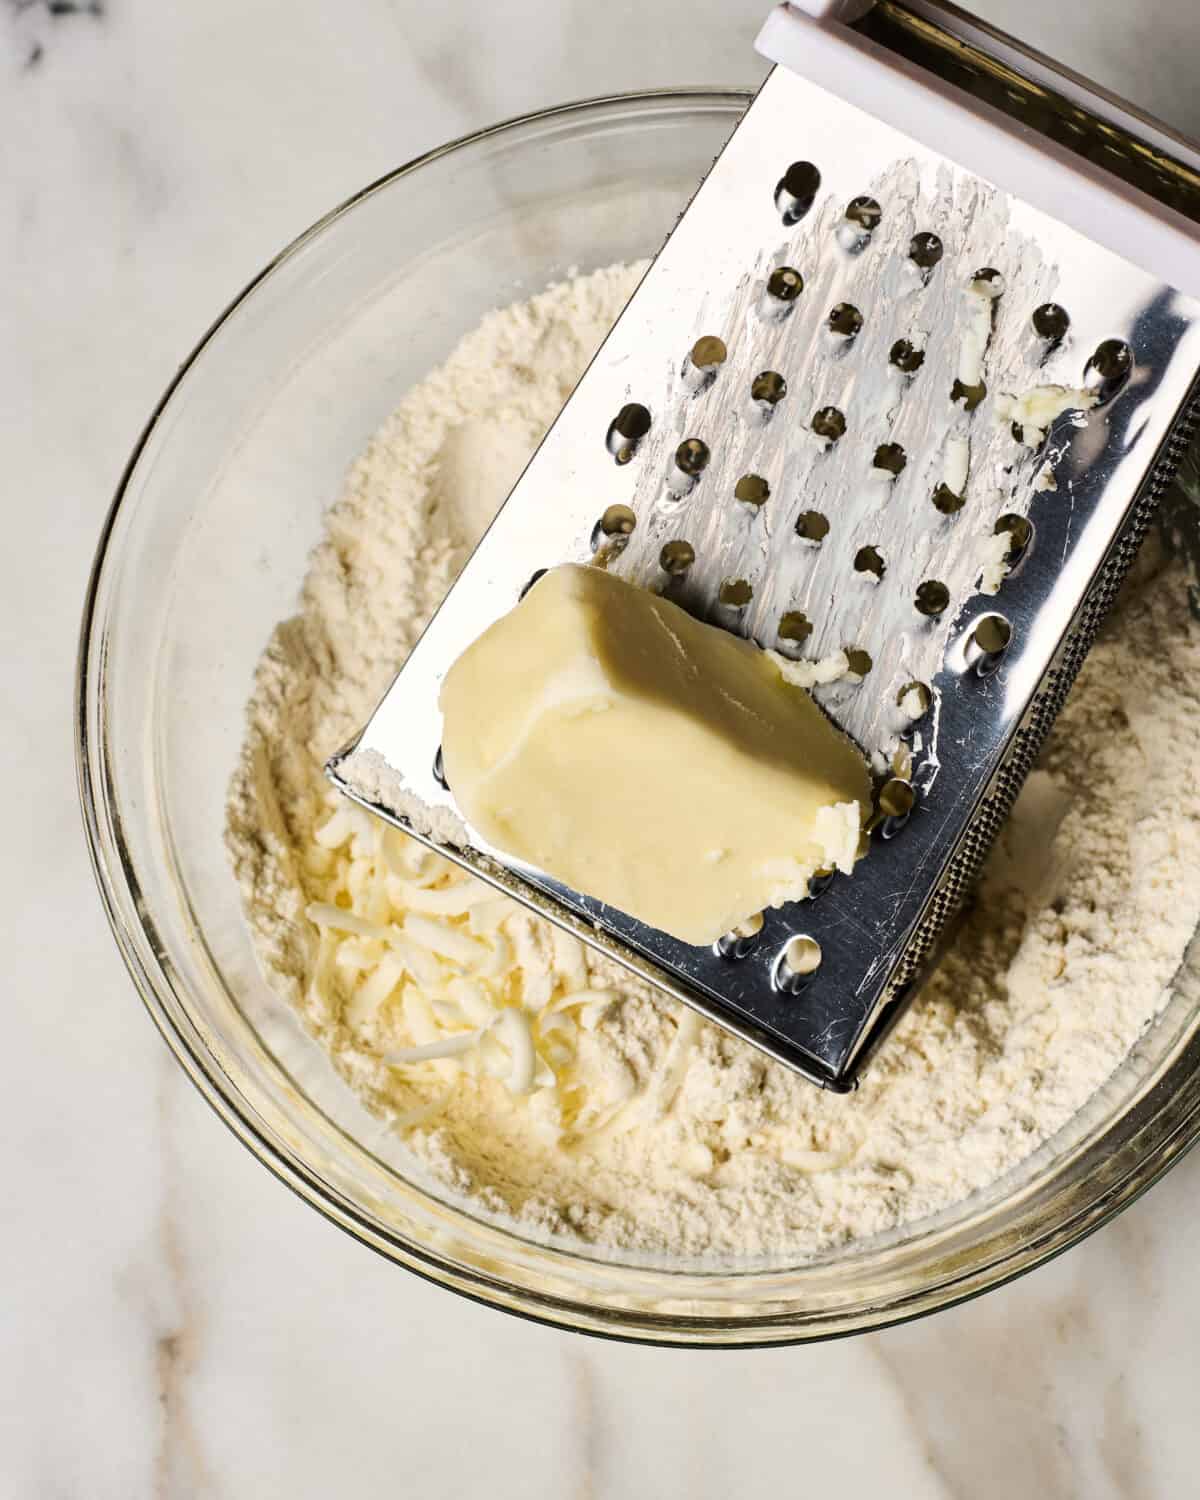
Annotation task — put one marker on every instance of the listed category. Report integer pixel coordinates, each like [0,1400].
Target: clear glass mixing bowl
[203,552]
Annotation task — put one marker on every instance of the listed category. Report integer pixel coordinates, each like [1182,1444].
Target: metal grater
[773,436]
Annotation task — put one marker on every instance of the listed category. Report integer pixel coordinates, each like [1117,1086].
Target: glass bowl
[203,553]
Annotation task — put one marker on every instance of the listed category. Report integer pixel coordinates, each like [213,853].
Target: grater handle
[847,11]
[1017,159]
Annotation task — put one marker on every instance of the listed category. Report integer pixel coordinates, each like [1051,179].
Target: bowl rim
[113,870]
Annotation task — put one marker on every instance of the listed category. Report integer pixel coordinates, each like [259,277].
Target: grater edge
[1029,738]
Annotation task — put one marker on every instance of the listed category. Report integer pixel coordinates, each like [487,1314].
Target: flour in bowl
[544,1084]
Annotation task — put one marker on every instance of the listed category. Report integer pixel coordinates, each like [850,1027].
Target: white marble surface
[176,1324]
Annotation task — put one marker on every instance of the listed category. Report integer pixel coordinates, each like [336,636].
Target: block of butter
[656,763]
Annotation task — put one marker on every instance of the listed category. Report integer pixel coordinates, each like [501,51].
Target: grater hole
[439,769]
[925,250]
[914,700]
[812,526]
[784,285]
[932,598]
[992,277]
[705,358]
[796,191]
[991,636]
[829,423]
[947,500]
[794,626]
[890,458]
[864,212]
[690,461]
[1108,369]
[869,560]
[902,761]
[969,396]
[677,557]
[708,352]
[906,357]
[741,939]
[845,320]
[861,219]
[753,489]
[818,882]
[541,573]
[735,593]
[1050,321]
[617,520]
[626,431]
[858,660]
[1020,536]
[895,798]
[611,533]
[796,965]
[769,388]
[987,644]
[893,806]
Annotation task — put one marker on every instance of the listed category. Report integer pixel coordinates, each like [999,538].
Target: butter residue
[981,293]
[1046,478]
[995,562]
[956,463]
[1036,410]
[912,704]
[811,674]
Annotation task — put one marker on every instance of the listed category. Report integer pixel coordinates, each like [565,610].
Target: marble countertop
[176,1324]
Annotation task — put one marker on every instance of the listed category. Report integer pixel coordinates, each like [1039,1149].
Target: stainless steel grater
[812,425]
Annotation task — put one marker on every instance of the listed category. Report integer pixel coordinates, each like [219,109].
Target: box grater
[897,398]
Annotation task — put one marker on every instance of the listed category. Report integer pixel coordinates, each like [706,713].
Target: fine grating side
[854,544]
[871,349]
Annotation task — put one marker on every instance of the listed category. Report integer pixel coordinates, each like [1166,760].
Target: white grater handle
[812,39]
[835,10]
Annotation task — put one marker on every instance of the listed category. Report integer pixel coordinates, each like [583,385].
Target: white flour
[640,1126]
